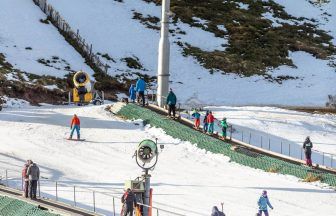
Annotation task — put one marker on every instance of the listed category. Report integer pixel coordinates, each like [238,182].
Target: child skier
[211,122]
[307,146]
[197,117]
[223,124]
[132,93]
[205,122]
[263,202]
[75,125]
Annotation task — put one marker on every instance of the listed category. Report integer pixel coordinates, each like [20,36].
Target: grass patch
[312,178]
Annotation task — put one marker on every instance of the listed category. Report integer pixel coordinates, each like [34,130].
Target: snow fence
[9,206]
[241,156]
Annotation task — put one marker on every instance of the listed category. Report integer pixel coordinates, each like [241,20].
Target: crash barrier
[82,197]
[241,156]
[10,206]
[73,37]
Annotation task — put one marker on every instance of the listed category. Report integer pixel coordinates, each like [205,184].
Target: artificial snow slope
[110,27]
[186,180]
[24,41]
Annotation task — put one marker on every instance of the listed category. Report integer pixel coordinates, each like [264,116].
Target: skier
[140,89]
[211,122]
[75,125]
[33,172]
[307,146]
[205,122]
[223,124]
[216,212]
[129,201]
[171,102]
[197,117]
[263,202]
[25,179]
[132,93]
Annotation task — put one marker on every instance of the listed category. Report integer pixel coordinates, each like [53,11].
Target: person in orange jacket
[211,122]
[75,125]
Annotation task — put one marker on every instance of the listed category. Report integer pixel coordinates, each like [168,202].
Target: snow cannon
[146,151]
[82,93]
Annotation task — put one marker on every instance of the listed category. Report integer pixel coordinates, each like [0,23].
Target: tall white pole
[164,52]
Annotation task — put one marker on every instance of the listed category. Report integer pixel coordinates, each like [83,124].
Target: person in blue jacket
[140,89]
[132,93]
[171,102]
[263,203]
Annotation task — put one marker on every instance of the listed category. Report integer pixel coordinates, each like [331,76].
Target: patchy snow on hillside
[111,29]
[32,46]
[186,180]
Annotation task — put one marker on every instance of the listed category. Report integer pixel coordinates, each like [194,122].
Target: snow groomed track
[247,158]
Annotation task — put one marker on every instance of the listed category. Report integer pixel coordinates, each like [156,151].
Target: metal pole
[39,188]
[261,143]
[231,129]
[147,193]
[164,53]
[242,136]
[269,143]
[323,158]
[6,178]
[289,147]
[74,195]
[94,201]
[281,147]
[113,207]
[301,153]
[332,160]
[250,138]
[56,193]
[157,212]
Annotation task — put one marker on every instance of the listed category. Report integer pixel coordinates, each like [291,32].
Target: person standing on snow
[307,146]
[223,124]
[129,201]
[171,102]
[197,117]
[140,89]
[211,122]
[263,203]
[132,93]
[33,173]
[75,125]
[205,122]
[216,212]
[25,179]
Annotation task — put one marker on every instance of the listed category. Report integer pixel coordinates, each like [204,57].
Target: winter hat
[171,89]
[264,193]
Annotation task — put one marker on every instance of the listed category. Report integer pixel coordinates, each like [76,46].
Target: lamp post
[164,52]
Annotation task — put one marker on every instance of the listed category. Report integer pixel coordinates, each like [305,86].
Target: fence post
[94,201]
[323,158]
[269,143]
[56,193]
[301,152]
[242,136]
[6,174]
[250,138]
[113,207]
[231,129]
[157,212]
[281,148]
[289,148]
[261,141]
[332,160]
[74,195]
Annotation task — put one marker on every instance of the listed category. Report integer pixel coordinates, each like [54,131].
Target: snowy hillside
[32,46]
[128,32]
[186,180]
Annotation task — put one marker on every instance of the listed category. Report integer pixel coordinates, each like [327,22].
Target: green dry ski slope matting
[240,156]
[9,206]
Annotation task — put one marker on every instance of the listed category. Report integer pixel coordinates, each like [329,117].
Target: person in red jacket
[211,122]
[75,125]
[25,179]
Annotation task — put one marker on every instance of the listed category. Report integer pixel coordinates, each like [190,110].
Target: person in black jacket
[129,201]
[307,146]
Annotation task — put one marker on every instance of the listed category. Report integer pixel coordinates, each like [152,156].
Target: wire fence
[100,200]
[72,37]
